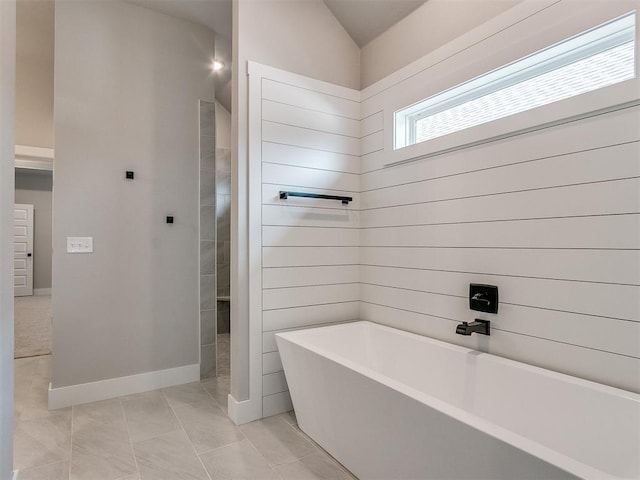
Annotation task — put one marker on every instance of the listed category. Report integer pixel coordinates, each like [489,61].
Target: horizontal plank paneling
[307,177]
[621,127]
[303,137]
[309,237]
[576,329]
[552,217]
[304,256]
[309,316]
[311,144]
[617,370]
[271,196]
[286,215]
[312,100]
[584,167]
[576,232]
[372,143]
[274,383]
[271,363]
[607,300]
[269,338]
[301,276]
[276,403]
[616,266]
[279,298]
[371,124]
[618,196]
[305,157]
[314,120]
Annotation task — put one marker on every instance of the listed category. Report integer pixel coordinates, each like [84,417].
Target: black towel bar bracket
[284,195]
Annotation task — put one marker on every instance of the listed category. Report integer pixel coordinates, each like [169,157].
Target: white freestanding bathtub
[393,405]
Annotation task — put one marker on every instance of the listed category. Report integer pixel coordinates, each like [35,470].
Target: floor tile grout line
[126,424]
[260,453]
[206,472]
[215,400]
[244,437]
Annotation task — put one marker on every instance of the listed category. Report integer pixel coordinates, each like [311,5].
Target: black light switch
[129,175]
[483,298]
[169,219]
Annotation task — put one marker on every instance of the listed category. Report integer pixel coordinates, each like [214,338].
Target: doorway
[32,262]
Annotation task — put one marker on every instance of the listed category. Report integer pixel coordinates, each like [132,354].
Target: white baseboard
[42,291]
[244,411]
[116,387]
[15,475]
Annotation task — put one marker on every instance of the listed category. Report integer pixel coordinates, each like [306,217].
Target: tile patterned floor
[175,433]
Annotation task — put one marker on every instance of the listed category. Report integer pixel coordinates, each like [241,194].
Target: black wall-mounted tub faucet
[478,326]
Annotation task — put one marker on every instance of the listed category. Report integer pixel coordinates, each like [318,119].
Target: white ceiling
[362,19]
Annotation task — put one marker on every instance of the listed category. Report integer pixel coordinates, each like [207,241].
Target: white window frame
[594,41]
[549,26]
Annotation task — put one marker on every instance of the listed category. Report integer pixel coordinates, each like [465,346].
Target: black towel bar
[284,195]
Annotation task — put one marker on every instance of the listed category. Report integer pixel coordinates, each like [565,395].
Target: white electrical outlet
[79,244]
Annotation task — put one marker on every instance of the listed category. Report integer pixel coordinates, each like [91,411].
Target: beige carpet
[32,326]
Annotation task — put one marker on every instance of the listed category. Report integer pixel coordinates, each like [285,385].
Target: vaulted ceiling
[363,20]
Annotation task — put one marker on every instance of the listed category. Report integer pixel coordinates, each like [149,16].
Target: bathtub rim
[472,420]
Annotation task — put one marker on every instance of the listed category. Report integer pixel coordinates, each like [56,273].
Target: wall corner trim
[245,411]
[115,387]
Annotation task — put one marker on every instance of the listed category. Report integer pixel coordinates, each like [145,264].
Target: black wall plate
[483,298]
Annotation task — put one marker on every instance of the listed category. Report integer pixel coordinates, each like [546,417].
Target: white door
[23,250]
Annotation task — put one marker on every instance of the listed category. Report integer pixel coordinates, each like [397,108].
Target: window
[594,59]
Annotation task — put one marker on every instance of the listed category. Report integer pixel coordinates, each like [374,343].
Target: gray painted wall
[127,85]
[34,72]
[7,112]
[36,189]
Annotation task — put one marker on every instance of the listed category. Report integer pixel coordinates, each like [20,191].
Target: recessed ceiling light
[217,65]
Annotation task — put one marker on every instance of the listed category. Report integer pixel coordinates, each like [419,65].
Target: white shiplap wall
[552,217]
[310,142]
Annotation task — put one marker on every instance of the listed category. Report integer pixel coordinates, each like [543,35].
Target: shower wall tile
[207,188]
[223,214]
[208,327]
[223,232]
[207,154]
[207,223]
[208,316]
[207,292]
[223,171]
[223,252]
[208,361]
[207,257]
[223,288]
